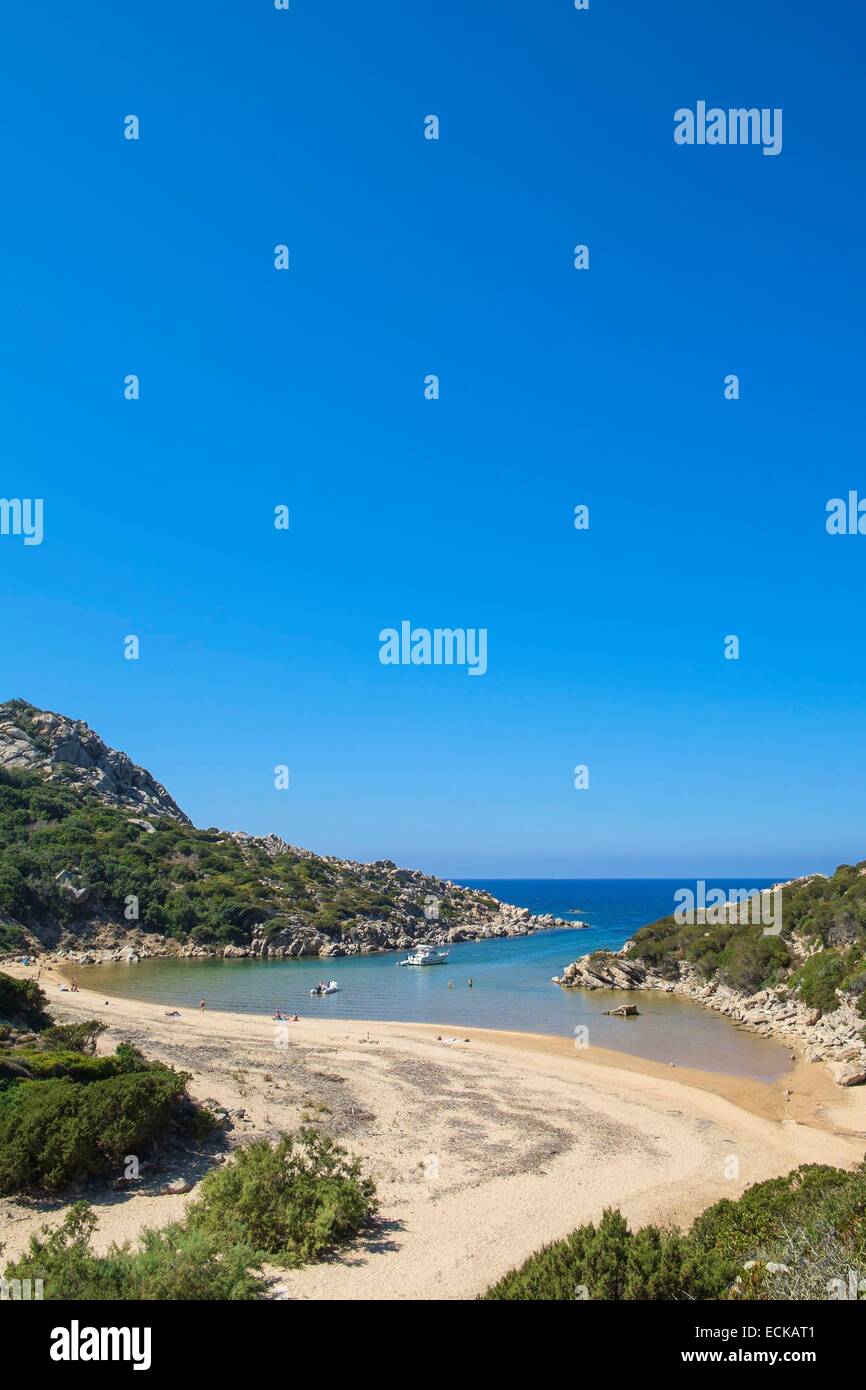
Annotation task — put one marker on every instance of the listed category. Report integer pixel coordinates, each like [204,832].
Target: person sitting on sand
[74,986]
[295,1018]
[277,1015]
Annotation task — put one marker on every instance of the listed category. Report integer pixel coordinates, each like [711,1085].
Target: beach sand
[482,1150]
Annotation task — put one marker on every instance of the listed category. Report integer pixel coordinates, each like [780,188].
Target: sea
[511,986]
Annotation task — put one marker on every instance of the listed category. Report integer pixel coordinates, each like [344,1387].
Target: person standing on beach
[201,1004]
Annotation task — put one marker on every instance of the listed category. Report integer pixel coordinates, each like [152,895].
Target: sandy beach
[483,1148]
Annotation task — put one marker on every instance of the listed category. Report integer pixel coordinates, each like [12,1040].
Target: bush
[611,1262]
[75,1037]
[55,1131]
[750,960]
[12,937]
[23,1002]
[818,979]
[827,914]
[33,1064]
[293,1202]
[15,896]
[172,1264]
[811,1223]
[814,1198]
[40,1063]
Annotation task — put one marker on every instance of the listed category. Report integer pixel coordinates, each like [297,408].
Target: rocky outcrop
[67,750]
[603,970]
[835,1038]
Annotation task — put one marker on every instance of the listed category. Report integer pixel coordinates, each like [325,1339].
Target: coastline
[482,1150]
[837,1039]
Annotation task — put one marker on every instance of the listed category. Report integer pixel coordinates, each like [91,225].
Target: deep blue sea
[511,980]
[614,907]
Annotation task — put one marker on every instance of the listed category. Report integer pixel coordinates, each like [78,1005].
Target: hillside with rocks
[98,862]
[68,751]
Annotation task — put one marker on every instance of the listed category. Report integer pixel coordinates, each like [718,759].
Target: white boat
[425,955]
[330,988]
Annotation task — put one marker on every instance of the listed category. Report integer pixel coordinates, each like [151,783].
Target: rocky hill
[67,750]
[97,861]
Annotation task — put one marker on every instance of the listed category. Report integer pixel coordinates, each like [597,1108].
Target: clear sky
[305,388]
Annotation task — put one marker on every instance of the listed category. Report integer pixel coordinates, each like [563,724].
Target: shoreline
[758,1096]
[787,1053]
[482,1151]
[838,1040]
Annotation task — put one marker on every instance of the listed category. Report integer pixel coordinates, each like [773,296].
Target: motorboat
[321,988]
[425,955]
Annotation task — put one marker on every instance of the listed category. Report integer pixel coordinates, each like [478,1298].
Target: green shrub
[175,1263]
[33,1064]
[750,961]
[55,1131]
[75,1037]
[818,980]
[191,884]
[811,1223]
[293,1201]
[38,1063]
[23,1002]
[814,1198]
[16,898]
[611,1262]
[12,937]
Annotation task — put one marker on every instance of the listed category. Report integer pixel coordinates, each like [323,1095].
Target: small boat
[330,988]
[425,955]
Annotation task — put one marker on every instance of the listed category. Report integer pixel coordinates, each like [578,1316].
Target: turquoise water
[511,986]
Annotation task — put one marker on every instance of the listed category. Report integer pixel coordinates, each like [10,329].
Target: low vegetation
[175,1263]
[799,1236]
[58,1131]
[22,1005]
[287,1204]
[67,1115]
[293,1202]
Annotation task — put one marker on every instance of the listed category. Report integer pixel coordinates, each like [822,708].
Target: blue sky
[408,257]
